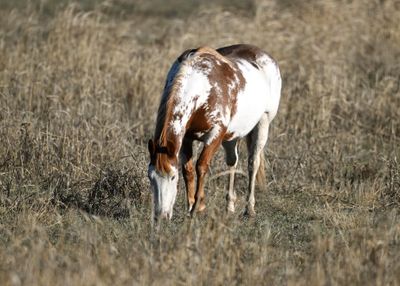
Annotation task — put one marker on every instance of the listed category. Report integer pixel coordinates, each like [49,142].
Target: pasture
[80,84]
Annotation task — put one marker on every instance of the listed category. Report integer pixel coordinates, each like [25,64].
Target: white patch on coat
[199,134]
[220,114]
[217,89]
[260,95]
[227,115]
[233,84]
[165,188]
[193,92]
[212,134]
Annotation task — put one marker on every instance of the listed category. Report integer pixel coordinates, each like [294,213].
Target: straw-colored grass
[79,89]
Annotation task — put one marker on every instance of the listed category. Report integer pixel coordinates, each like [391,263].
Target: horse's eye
[173,178]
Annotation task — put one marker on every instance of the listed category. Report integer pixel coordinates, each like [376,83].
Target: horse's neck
[173,131]
[185,104]
[188,90]
[182,109]
[170,140]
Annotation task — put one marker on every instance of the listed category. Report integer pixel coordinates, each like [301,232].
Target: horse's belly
[251,103]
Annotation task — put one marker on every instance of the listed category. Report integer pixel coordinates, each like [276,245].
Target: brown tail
[260,177]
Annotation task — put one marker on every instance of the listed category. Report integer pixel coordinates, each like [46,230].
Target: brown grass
[79,88]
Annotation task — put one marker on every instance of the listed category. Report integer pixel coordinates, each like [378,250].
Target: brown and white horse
[216,97]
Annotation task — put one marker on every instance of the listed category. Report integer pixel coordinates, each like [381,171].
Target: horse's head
[163,176]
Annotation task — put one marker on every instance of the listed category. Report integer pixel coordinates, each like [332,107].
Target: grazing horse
[216,97]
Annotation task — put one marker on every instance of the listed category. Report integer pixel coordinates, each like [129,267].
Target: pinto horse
[216,97]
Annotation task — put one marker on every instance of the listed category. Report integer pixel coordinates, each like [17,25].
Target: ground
[80,84]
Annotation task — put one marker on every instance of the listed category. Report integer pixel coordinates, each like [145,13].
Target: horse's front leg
[201,169]
[188,172]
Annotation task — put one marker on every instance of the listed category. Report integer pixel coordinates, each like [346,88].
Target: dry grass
[79,88]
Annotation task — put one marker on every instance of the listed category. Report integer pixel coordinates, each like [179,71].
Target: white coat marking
[260,95]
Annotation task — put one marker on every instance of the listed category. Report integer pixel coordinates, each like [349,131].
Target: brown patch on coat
[214,53]
[226,82]
[247,52]
[241,51]
[198,122]
[228,136]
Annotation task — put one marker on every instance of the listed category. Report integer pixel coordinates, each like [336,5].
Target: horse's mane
[166,105]
[164,114]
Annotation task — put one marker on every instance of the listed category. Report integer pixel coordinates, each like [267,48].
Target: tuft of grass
[80,84]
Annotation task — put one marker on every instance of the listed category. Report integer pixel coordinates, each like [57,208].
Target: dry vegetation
[79,88]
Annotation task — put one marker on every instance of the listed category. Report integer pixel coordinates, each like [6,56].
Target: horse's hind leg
[256,141]
[231,160]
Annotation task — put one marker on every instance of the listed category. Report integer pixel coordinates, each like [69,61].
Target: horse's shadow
[112,194]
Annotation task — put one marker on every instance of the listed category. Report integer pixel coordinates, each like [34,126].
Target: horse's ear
[152,147]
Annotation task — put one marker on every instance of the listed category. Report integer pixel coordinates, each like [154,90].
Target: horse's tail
[260,177]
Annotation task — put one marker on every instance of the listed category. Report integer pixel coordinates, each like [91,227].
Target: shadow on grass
[111,194]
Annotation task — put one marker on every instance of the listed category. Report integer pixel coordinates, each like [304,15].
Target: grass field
[80,84]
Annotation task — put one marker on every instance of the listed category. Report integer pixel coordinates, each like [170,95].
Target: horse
[215,97]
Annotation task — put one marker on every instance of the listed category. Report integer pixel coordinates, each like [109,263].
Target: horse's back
[233,86]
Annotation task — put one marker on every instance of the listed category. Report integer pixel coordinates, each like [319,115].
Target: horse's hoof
[231,207]
[249,212]
[201,208]
[194,209]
